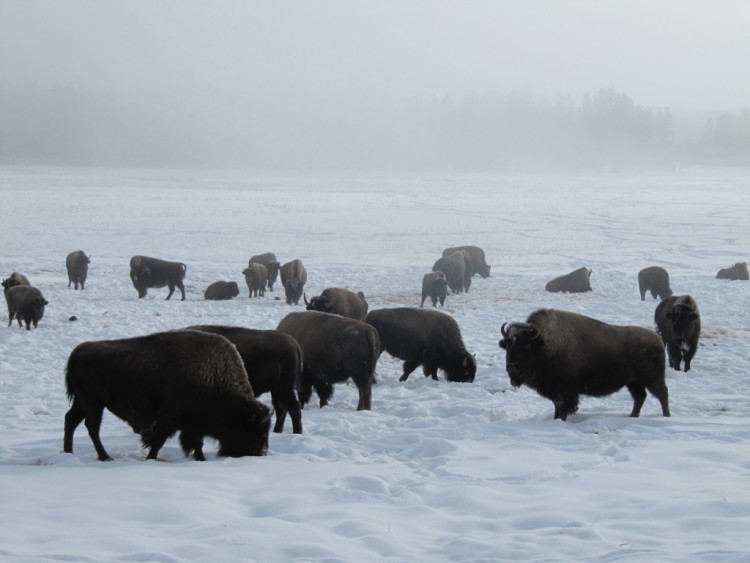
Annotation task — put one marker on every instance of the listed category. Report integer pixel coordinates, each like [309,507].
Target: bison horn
[503,331]
[304,296]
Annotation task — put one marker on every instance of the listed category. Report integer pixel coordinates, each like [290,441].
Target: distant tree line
[515,130]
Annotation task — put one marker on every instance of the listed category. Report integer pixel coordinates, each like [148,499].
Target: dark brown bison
[563,355]
[424,337]
[77,264]
[221,291]
[577,281]
[256,277]
[148,272]
[478,262]
[273,362]
[339,301]
[25,303]
[736,272]
[656,280]
[435,286]
[186,381]
[268,259]
[454,268]
[293,278]
[678,321]
[334,349]
[15,279]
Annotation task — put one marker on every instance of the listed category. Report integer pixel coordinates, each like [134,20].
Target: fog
[348,84]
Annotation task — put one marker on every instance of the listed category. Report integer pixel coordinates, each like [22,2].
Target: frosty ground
[437,470]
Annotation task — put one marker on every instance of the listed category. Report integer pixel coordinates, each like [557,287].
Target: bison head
[140,275]
[466,371]
[520,343]
[682,316]
[248,433]
[10,282]
[319,303]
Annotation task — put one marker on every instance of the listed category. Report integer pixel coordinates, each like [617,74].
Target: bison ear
[503,344]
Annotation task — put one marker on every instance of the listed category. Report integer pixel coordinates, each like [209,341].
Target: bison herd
[203,381]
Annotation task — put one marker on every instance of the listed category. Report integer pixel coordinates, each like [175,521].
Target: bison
[293,278]
[562,355]
[424,337]
[25,303]
[221,291]
[77,264]
[268,259]
[273,362]
[435,286]
[577,281]
[15,279]
[478,263]
[334,349]
[148,272]
[186,381]
[656,280]
[256,276]
[678,321]
[736,272]
[339,301]
[454,268]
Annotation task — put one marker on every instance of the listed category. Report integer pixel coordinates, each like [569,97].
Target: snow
[437,470]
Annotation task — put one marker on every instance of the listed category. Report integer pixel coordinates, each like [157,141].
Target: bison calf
[435,286]
[148,272]
[186,381]
[334,349]
[77,264]
[25,303]
[273,362]
[563,355]
[428,338]
[478,262]
[678,322]
[454,266]
[268,259]
[656,280]
[256,276]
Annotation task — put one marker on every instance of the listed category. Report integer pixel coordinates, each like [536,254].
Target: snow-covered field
[437,470]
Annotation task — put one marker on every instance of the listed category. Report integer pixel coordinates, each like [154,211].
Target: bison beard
[183,381]
[563,355]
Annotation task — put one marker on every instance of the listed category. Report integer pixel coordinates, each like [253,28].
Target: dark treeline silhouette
[492,131]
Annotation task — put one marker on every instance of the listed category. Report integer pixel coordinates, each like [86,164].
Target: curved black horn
[304,296]
[503,331]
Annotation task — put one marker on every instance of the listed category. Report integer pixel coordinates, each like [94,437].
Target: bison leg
[280,411]
[171,290]
[191,441]
[409,367]
[675,356]
[157,436]
[93,424]
[687,356]
[659,390]
[324,391]
[305,389]
[638,392]
[365,396]
[565,405]
[430,370]
[73,418]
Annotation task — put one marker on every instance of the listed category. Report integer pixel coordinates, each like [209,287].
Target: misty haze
[417,86]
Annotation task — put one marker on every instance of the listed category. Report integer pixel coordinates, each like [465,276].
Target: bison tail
[184,268]
[69,375]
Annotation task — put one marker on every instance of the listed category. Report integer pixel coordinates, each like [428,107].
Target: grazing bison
[148,272]
[273,362]
[736,272]
[678,321]
[656,280]
[478,263]
[77,264]
[221,291]
[25,303]
[293,278]
[454,268]
[186,381]
[334,349]
[435,286]
[577,281]
[269,260]
[15,279]
[256,276]
[424,337]
[563,355]
[339,301]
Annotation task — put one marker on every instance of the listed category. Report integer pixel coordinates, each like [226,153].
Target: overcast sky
[677,53]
